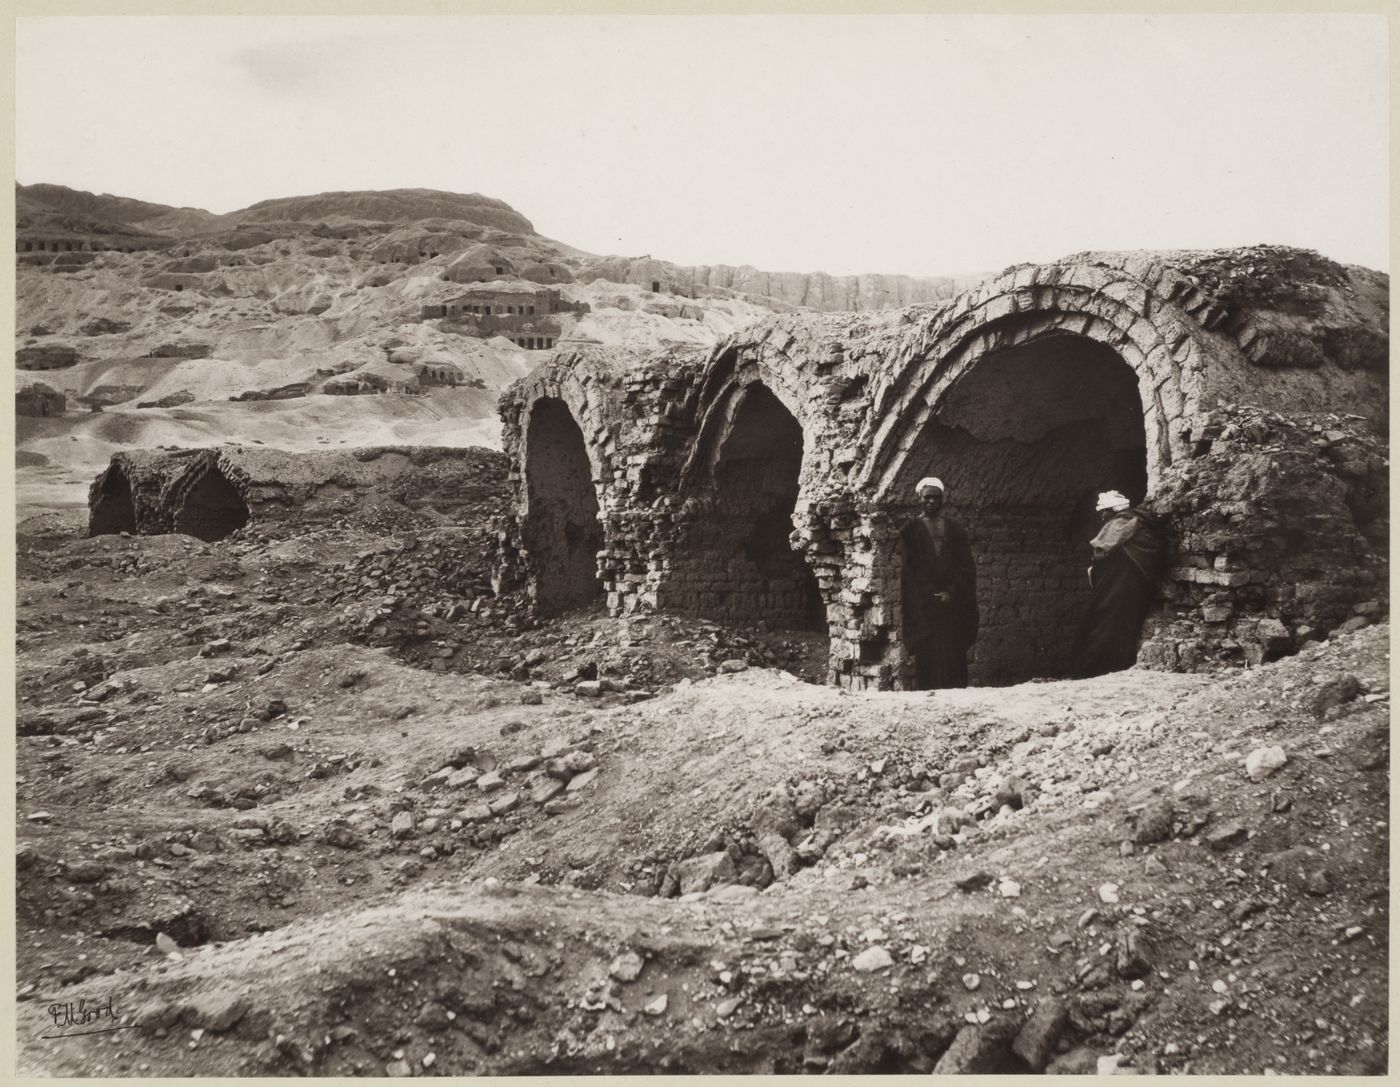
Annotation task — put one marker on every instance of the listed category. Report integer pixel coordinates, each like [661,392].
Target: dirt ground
[322,805]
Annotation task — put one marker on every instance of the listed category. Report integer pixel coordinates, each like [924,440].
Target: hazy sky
[924,145]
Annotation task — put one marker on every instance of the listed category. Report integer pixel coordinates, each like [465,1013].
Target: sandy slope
[300,310]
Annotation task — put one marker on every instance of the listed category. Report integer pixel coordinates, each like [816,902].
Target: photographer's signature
[73,1019]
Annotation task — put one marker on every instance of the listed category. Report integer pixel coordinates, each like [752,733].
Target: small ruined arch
[114,510]
[560,530]
[210,507]
[727,379]
[736,561]
[1025,436]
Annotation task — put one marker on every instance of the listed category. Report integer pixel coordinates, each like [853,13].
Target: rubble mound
[316,860]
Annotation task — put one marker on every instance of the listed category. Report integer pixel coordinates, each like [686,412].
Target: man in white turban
[1129,556]
[939,583]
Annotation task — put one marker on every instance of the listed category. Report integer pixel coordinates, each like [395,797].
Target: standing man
[1129,557]
[939,582]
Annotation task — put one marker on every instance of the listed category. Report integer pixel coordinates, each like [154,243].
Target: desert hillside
[248,327]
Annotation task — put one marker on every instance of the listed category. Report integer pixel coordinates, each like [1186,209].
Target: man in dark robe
[939,582]
[1129,558]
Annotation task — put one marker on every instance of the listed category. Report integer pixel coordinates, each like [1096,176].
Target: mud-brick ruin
[212,493]
[1241,394]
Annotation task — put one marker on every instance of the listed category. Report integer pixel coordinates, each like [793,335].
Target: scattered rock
[872,959]
[626,967]
[1226,835]
[489,782]
[1133,958]
[1154,823]
[1081,1061]
[86,872]
[582,780]
[703,872]
[978,1049]
[1035,1044]
[974,882]
[1263,761]
[656,1006]
[216,1011]
[402,826]
[474,813]
[460,779]
[341,835]
[728,1006]
[1338,691]
[503,803]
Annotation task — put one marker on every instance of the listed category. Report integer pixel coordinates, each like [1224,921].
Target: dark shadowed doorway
[1025,439]
[561,529]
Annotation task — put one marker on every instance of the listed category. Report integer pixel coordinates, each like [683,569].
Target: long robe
[1129,558]
[938,635]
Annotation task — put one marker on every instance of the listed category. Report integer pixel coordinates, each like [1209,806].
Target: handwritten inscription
[72,1019]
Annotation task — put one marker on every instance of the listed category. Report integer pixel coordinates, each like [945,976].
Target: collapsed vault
[1027,395]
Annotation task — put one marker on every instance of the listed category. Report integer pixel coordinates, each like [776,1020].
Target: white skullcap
[1112,500]
[928,481]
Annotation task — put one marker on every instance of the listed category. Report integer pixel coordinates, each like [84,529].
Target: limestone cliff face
[783,290]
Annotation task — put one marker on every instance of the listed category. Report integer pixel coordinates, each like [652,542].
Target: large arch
[1024,441]
[560,529]
[1156,339]
[735,560]
[1064,312]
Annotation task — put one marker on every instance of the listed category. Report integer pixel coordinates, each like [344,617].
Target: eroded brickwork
[1237,393]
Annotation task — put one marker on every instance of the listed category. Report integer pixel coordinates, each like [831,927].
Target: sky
[925,145]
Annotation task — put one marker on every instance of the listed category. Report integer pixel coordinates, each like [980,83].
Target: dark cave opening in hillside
[561,529]
[211,509]
[114,511]
[1025,440]
[737,563]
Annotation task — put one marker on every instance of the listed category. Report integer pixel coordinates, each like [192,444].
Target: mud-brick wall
[1031,592]
[708,574]
[1281,529]
[854,554]
[640,523]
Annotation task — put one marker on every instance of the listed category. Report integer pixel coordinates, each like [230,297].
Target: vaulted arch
[560,527]
[735,560]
